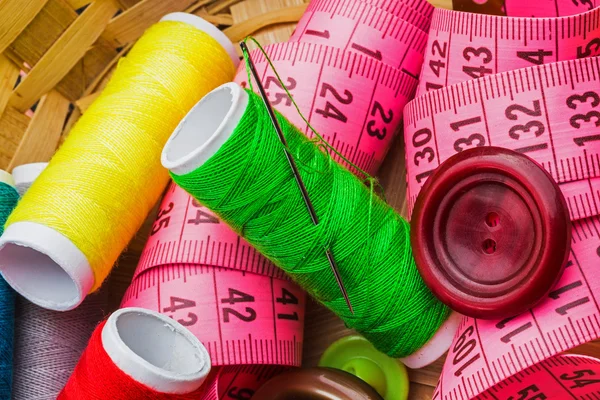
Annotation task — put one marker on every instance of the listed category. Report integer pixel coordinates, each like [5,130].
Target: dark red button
[490,232]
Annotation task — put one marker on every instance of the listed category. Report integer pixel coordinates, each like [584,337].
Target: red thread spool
[139,354]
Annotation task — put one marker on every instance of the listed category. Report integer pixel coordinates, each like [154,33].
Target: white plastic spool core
[46,267]
[155,350]
[25,174]
[7,178]
[40,263]
[436,346]
[208,28]
[205,129]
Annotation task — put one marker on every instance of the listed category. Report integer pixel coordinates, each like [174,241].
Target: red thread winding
[97,377]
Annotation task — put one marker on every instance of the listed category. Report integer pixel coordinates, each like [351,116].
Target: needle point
[292,163]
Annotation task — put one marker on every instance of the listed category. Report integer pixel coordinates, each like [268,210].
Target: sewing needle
[295,171]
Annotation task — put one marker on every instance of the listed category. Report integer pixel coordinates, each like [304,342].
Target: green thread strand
[250,185]
[318,139]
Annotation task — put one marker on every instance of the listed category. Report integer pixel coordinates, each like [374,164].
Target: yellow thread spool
[69,229]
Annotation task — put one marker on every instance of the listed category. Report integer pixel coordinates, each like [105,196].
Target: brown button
[316,384]
[490,232]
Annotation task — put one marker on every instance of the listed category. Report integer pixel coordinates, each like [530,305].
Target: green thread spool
[227,155]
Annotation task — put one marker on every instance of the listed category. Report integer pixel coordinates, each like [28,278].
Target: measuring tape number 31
[532,86]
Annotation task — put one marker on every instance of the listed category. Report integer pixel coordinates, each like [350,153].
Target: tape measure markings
[185,232]
[288,351]
[354,94]
[394,7]
[233,330]
[583,198]
[210,251]
[241,382]
[553,8]
[502,110]
[238,381]
[542,111]
[358,10]
[364,30]
[259,318]
[551,327]
[563,376]
[516,8]
[467,46]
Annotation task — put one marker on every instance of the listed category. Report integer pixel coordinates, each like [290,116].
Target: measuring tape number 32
[532,86]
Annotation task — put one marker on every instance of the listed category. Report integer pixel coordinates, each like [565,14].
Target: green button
[356,355]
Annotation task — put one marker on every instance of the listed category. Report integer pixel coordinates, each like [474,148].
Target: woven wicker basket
[57,55]
[62,52]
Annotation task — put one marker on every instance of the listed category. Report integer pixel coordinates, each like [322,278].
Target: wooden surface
[441,3]
[64,63]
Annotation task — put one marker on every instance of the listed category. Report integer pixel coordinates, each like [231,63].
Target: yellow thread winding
[106,177]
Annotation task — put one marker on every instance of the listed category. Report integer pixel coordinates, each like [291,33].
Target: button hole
[489,246]
[492,219]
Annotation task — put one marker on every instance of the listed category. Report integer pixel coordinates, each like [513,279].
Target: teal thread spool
[227,155]
[8,200]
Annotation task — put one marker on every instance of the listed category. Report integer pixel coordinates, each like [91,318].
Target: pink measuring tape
[566,376]
[354,101]
[238,382]
[466,46]
[187,233]
[551,113]
[195,271]
[335,14]
[365,29]
[351,96]
[548,8]
[517,8]
[241,318]
[423,7]
[198,271]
